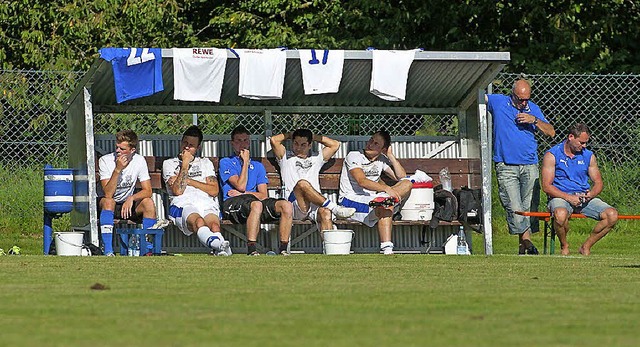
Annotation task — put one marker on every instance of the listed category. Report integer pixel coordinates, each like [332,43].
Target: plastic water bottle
[445,179]
[462,243]
[134,245]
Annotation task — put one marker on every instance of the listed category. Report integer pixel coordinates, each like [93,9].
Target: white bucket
[69,243]
[337,241]
[419,205]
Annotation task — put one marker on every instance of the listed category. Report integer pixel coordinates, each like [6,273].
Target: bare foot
[584,251]
[564,251]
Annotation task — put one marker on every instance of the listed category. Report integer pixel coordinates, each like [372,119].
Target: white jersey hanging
[261,73]
[321,70]
[389,74]
[198,73]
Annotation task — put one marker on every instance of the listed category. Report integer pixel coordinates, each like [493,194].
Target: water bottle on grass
[463,247]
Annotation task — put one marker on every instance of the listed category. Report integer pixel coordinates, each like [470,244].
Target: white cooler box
[420,204]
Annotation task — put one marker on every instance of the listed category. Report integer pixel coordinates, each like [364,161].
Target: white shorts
[298,214]
[179,215]
[364,214]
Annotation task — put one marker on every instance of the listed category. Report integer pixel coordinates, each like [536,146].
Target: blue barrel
[58,190]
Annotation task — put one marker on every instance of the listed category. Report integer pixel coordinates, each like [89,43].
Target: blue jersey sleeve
[226,169]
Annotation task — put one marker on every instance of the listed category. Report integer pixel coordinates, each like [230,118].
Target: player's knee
[148,207]
[560,214]
[107,204]
[215,226]
[303,184]
[284,207]
[611,215]
[256,206]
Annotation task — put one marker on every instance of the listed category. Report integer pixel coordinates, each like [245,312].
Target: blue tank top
[572,174]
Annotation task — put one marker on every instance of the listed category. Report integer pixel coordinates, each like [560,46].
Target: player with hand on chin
[118,173]
[193,191]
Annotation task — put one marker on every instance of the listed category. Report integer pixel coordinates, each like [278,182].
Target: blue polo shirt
[232,166]
[572,174]
[513,144]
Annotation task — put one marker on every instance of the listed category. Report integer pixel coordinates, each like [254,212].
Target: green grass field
[316,300]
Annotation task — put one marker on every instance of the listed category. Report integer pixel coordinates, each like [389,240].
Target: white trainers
[226,247]
[161,224]
[343,212]
[225,250]
[387,248]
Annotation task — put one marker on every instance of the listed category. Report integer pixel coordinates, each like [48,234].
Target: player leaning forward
[300,171]
[193,189]
[362,188]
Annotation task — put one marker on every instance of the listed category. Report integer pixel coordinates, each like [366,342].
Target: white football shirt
[198,73]
[321,70]
[136,170]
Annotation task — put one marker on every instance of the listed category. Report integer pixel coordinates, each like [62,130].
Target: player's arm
[396,171]
[331,146]
[596,178]
[144,192]
[239,183]
[276,144]
[262,192]
[178,183]
[110,185]
[210,186]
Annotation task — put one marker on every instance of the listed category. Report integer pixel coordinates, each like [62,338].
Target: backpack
[469,205]
[446,207]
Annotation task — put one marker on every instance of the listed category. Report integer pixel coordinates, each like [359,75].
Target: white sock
[384,245]
[329,204]
[208,238]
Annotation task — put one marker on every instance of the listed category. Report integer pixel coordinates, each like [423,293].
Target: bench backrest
[464,172]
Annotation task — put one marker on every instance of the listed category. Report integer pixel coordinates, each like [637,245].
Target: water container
[58,190]
[419,205]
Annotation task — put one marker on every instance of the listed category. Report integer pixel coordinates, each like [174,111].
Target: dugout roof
[439,82]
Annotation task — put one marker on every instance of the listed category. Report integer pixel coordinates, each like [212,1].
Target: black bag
[446,207]
[469,205]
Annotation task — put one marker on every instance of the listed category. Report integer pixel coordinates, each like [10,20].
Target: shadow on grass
[636,266]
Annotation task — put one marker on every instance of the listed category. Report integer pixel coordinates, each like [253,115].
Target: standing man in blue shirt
[246,201]
[566,170]
[515,153]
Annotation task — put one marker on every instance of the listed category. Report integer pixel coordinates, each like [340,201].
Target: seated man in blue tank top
[566,170]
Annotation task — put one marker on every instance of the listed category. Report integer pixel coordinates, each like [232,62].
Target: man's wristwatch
[535,122]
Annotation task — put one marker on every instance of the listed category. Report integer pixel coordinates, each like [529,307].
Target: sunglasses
[517,99]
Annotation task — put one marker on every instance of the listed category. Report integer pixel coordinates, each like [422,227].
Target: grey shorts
[591,209]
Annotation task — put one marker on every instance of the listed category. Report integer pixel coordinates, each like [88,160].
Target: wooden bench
[549,229]
[464,172]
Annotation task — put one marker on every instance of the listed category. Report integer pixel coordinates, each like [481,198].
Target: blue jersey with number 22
[137,72]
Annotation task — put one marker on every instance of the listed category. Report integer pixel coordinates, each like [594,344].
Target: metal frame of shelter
[438,83]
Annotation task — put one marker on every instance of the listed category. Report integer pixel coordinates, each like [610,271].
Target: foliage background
[542,36]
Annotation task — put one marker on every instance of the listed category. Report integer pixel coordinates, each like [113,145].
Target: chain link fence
[33,123]
[327,124]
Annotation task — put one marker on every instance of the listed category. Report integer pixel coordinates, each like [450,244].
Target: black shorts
[237,208]
[117,214]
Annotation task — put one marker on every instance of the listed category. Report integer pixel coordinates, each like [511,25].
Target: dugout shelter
[439,83]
